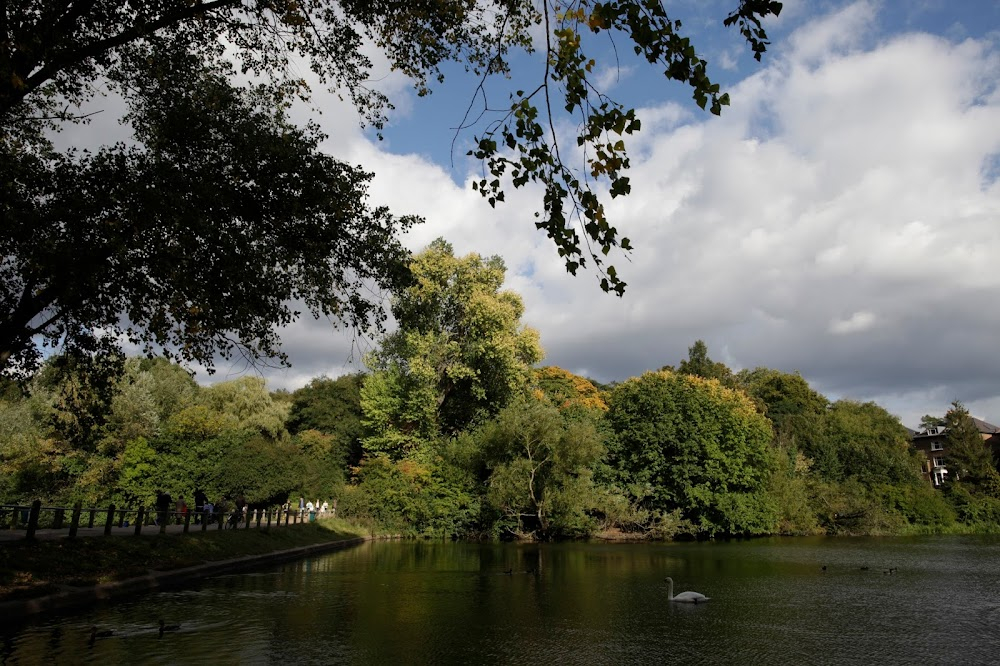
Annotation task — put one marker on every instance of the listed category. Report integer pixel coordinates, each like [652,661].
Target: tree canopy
[699,364]
[220,220]
[689,443]
[200,239]
[460,350]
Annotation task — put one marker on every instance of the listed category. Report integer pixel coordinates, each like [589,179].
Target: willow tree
[537,467]
[460,351]
[196,236]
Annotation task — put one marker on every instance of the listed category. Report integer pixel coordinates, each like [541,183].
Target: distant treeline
[456,433]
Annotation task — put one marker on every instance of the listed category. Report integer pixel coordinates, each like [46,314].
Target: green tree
[537,467]
[137,475]
[460,350]
[134,410]
[867,443]
[699,364]
[332,407]
[173,387]
[264,471]
[323,464]
[31,464]
[690,444]
[80,388]
[247,405]
[796,411]
[969,457]
[430,497]
[227,215]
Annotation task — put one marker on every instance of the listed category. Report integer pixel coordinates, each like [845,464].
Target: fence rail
[55,519]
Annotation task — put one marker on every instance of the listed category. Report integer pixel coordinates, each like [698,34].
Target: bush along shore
[71,572]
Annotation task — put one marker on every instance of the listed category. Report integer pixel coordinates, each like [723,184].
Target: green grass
[36,568]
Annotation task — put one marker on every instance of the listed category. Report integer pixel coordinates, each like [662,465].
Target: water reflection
[772,602]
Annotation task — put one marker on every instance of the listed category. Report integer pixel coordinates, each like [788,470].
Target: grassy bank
[29,569]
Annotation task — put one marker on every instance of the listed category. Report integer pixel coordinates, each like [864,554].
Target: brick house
[934,445]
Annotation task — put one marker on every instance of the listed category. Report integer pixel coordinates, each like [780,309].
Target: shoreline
[73,597]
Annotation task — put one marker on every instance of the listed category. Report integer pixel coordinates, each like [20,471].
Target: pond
[926,600]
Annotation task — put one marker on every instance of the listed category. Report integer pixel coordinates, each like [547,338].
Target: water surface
[419,602]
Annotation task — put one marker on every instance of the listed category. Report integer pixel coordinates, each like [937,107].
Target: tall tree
[700,365]
[969,457]
[332,407]
[460,350]
[200,232]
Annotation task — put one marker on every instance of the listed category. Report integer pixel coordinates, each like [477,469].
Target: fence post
[269,512]
[121,518]
[74,523]
[204,520]
[93,513]
[110,520]
[139,517]
[36,508]
[257,513]
[13,517]
[187,521]
[222,518]
[57,522]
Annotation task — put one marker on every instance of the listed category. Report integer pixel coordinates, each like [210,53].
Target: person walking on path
[162,507]
[241,508]
[199,506]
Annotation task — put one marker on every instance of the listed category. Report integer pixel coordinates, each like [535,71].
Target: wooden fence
[53,519]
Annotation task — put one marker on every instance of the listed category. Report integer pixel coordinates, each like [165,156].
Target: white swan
[687,597]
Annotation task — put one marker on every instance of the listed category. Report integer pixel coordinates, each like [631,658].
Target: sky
[841,219]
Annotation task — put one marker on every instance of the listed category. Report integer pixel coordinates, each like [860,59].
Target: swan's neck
[670,588]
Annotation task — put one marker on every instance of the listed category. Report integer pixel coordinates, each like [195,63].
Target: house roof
[984,427]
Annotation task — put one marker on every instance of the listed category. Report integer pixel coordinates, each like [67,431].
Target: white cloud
[833,221]
[830,35]
[606,78]
[856,323]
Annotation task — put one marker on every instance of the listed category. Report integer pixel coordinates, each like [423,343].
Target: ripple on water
[439,603]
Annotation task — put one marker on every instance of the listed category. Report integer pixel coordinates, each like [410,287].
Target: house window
[937,446]
[939,462]
[939,476]
[932,430]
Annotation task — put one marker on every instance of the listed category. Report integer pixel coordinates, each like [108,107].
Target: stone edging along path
[75,597]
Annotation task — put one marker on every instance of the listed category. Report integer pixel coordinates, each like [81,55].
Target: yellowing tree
[567,390]
[460,350]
